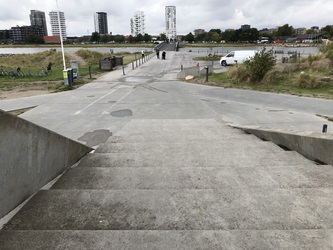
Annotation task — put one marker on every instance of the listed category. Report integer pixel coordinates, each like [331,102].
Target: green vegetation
[261,63]
[311,76]
[326,117]
[33,73]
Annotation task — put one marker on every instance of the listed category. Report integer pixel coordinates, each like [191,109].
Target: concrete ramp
[30,157]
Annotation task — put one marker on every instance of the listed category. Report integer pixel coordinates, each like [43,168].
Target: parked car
[238,56]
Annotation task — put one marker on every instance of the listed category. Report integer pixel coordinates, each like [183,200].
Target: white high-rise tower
[170,22]
[55,24]
[138,23]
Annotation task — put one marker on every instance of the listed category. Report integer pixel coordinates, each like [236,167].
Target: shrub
[92,57]
[324,48]
[329,54]
[240,73]
[262,62]
[307,81]
[271,76]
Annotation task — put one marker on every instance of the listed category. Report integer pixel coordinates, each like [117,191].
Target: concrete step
[99,178]
[181,137]
[181,159]
[176,240]
[194,148]
[227,209]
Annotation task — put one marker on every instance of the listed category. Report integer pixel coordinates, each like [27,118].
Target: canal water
[212,50]
[71,49]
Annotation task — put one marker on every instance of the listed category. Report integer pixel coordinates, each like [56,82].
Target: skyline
[211,14]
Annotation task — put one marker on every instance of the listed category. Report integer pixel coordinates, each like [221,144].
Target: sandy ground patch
[26,90]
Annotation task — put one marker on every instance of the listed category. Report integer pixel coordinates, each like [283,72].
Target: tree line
[251,35]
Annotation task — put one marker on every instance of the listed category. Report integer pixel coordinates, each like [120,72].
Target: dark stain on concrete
[96,137]
[122,113]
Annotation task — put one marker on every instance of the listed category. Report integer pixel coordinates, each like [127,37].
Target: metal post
[206,73]
[123,70]
[89,68]
[61,39]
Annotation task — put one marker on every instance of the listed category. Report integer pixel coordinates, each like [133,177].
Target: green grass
[284,83]
[326,117]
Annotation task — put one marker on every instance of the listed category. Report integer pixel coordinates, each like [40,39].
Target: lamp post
[65,73]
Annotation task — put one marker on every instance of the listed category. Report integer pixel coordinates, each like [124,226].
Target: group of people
[158,54]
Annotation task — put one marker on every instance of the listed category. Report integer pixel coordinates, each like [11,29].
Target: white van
[238,56]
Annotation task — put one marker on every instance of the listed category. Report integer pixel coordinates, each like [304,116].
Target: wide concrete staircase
[181,184]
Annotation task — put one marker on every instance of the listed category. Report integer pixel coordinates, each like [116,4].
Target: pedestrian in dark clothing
[163,55]
[49,67]
[158,53]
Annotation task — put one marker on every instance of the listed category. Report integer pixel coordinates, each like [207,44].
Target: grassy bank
[26,71]
[294,79]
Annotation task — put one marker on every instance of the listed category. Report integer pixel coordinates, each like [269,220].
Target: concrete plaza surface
[169,172]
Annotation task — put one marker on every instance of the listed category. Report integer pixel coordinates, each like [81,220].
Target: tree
[285,30]
[249,35]
[201,37]
[218,31]
[95,37]
[138,38]
[327,31]
[130,39]
[34,39]
[189,37]
[163,37]
[213,36]
[105,38]
[119,38]
[147,38]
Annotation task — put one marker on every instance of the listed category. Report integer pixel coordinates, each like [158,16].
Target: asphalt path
[93,112]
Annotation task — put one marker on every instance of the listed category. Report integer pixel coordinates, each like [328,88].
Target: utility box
[68,76]
[75,67]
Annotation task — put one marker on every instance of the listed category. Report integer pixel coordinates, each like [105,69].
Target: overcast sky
[191,14]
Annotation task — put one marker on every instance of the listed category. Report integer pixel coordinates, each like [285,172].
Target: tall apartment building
[138,23]
[55,24]
[170,22]
[37,18]
[101,23]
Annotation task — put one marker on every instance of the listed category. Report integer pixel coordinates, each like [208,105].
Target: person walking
[163,55]
[158,53]
[143,55]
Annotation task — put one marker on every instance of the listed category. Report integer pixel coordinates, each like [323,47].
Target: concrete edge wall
[30,157]
[194,71]
[314,146]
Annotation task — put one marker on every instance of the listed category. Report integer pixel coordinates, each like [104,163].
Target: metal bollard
[206,73]
[89,68]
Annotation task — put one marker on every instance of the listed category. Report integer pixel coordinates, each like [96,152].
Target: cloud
[191,15]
